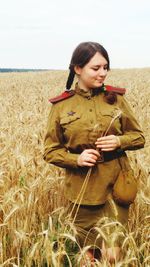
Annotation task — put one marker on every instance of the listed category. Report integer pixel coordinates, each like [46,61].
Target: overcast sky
[44,33]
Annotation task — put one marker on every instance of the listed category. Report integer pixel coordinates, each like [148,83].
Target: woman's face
[93,74]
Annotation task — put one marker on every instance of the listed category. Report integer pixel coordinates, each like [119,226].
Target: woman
[89,129]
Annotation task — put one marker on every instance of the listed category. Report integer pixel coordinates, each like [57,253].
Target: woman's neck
[83,87]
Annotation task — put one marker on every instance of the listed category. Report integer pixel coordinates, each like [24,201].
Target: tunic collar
[91,92]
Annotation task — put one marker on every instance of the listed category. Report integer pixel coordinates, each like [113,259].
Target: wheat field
[32,229]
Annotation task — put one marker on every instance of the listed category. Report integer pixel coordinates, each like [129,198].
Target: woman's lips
[100,81]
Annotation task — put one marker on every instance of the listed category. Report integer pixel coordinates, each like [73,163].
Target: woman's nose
[102,72]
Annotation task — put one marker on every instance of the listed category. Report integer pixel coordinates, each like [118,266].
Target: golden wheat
[32,227]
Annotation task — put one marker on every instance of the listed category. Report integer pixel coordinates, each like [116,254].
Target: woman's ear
[77,70]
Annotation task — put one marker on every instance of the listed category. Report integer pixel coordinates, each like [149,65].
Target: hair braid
[70,79]
[111,97]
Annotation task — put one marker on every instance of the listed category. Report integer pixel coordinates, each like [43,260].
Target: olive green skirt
[101,223]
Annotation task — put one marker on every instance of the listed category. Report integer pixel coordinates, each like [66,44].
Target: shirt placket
[93,125]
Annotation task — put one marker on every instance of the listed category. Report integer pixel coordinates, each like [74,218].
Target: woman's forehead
[97,59]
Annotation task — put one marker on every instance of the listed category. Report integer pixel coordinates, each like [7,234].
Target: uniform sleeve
[55,151]
[132,137]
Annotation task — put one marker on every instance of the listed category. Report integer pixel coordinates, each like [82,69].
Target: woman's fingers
[88,164]
[92,151]
[108,149]
[107,146]
[91,159]
[107,139]
[108,143]
[88,157]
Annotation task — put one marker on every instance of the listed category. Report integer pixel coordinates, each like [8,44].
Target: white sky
[44,33]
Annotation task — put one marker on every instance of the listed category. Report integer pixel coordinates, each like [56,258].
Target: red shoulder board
[115,89]
[63,96]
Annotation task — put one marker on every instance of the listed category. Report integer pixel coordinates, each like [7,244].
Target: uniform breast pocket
[111,121]
[71,122]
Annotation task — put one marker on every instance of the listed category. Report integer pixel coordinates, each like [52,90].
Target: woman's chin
[98,84]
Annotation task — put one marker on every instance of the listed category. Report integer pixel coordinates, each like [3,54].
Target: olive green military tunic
[74,124]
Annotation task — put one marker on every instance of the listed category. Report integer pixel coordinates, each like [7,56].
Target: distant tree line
[20,70]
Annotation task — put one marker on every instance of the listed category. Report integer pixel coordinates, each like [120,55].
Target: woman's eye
[94,68]
[97,68]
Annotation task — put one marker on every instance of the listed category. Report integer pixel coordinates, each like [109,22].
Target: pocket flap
[69,119]
[111,112]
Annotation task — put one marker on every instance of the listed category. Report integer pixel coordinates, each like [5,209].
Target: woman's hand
[108,143]
[88,157]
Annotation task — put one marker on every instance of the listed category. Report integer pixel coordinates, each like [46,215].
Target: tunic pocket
[71,126]
[110,118]
[69,119]
[112,112]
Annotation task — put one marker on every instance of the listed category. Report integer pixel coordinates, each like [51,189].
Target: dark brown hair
[81,56]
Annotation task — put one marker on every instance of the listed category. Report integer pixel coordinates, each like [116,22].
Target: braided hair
[81,56]
[70,79]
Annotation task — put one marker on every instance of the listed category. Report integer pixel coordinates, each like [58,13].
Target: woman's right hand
[88,158]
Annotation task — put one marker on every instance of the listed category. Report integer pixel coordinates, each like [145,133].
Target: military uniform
[74,124]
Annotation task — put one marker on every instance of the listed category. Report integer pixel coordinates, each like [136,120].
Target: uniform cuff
[71,160]
[125,142]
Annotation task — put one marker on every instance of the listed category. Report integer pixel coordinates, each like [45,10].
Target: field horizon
[9,70]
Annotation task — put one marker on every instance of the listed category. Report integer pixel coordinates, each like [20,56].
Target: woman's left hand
[108,143]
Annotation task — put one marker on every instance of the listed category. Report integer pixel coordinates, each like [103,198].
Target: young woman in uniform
[89,129]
